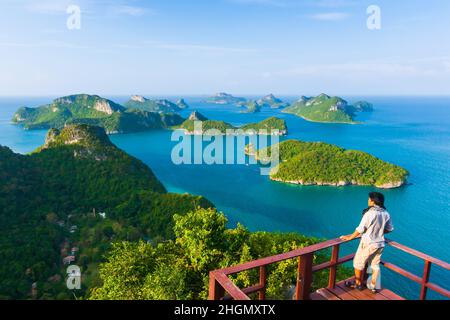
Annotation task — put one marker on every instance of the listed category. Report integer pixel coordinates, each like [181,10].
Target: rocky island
[98,111]
[272,102]
[324,108]
[266,126]
[225,98]
[158,105]
[250,107]
[318,163]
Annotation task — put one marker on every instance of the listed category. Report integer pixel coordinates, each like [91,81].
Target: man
[375,223]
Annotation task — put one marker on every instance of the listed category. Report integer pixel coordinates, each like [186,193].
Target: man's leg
[358,277]
[374,262]
[359,263]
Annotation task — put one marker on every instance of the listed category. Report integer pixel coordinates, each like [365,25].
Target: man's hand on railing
[350,237]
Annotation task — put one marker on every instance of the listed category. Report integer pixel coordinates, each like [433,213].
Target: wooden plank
[438,289]
[365,294]
[342,294]
[326,265]
[418,254]
[317,296]
[327,294]
[304,277]
[230,287]
[333,268]
[425,279]
[390,295]
[402,272]
[281,257]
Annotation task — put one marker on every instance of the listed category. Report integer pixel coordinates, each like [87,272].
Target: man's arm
[359,230]
[389,227]
[350,237]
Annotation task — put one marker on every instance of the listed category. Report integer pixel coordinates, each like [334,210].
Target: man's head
[376,199]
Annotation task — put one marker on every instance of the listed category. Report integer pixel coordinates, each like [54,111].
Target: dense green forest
[179,268]
[267,125]
[326,164]
[47,203]
[324,108]
[97,111]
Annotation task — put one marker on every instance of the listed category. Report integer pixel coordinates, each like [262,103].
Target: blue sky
[239,46]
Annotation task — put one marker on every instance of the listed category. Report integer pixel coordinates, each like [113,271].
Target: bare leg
[358,275]
[375,273]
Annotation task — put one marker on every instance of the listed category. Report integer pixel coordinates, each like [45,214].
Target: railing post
[304,276]
[216,291]
[333,268]
[425,279]
[262,282]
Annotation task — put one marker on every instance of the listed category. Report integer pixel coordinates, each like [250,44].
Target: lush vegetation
[179,268]
[326,164]
[47,203]
[266,125]
[324,108]
[93,110]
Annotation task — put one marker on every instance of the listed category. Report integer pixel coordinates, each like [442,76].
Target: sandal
[372,288]
[352,285]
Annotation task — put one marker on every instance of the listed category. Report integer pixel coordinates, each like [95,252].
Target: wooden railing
[222,287]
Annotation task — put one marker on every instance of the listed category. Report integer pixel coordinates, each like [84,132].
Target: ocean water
[413,132]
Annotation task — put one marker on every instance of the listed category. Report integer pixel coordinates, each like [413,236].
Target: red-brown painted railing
[222,287]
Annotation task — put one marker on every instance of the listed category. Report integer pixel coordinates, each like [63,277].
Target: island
[272,102]
[324,108]
[225,98]
[250,106]
[94,110]
[270,126]
[158,105]
[322,164]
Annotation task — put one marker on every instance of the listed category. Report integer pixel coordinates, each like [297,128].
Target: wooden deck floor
[341,292]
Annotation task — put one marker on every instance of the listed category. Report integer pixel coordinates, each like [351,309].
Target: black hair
[377,198]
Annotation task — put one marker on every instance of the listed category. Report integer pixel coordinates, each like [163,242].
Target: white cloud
[330,16]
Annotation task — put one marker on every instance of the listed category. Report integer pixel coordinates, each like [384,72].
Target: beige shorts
[367,254]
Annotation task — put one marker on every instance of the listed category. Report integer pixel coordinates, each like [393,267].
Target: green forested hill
[318,163]
[53,191]
[324,108]
[269,124]
[94,110]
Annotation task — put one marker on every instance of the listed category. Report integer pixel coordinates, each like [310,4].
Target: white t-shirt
[374,224]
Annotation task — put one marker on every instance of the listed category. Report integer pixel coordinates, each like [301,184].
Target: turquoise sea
[413,132]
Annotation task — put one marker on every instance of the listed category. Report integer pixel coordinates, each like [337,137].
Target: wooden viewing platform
[222,287]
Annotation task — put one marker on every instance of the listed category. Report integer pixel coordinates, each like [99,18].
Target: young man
[375,223]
